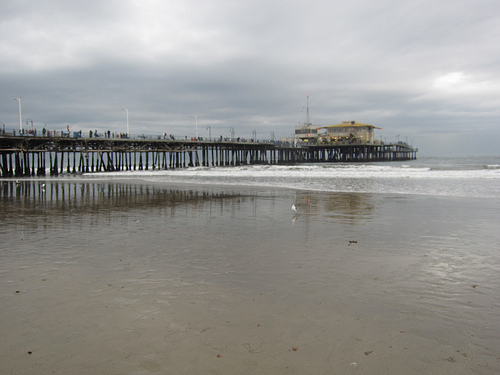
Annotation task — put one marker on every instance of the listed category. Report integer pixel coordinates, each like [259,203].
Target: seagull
[294,208]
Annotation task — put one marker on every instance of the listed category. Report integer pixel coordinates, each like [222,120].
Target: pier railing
[22,156]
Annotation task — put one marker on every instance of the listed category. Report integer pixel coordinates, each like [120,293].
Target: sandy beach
[135,278]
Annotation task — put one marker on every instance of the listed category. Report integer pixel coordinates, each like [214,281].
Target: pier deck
[22,156]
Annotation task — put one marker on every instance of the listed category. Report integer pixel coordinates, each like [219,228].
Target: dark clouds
[425,70]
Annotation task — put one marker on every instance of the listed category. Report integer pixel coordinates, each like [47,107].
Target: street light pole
[128,131]
[20,116]
[196,124]
[209,133]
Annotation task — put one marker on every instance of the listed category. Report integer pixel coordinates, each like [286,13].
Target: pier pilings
[23,156]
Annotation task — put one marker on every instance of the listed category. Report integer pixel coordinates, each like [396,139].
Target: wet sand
[126,278]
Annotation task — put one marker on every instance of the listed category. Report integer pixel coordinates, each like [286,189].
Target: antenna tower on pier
[308,120]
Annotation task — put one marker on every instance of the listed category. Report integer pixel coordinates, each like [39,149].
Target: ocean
[384,268]
[464,176]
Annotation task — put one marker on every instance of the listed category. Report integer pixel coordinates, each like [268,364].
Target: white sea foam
[466,177]
[336,171]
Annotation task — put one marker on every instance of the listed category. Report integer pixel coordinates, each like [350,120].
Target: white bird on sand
[294,208]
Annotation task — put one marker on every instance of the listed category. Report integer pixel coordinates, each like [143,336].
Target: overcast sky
[426,70]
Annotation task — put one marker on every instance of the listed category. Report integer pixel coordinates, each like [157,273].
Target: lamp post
[128,131]
[20,116]
[254,132]
[209,133]
[196,124]
[232,133]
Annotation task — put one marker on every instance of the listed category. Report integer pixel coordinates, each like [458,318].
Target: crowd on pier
[33,132]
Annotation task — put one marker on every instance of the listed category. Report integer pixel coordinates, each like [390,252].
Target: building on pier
[306,133]
[350,132]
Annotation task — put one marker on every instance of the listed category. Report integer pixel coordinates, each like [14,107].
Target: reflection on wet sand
[30,197]
[25,198]
[348,208]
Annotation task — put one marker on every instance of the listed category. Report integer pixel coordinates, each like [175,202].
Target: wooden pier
[23,156]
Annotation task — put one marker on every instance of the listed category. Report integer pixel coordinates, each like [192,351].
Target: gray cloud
[425,70]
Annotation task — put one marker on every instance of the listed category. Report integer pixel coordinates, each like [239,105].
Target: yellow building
[351,132]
